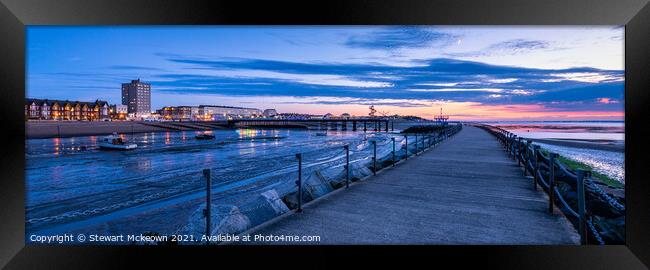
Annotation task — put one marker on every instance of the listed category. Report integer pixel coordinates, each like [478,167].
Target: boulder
[359,170]
[316,185]
[612,230]
[274,200]
[225,219]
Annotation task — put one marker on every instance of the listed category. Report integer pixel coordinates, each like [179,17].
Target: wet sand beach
[605,145]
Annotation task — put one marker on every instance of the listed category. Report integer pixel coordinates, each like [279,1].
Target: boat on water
[204,136]
[115,142]
[321,134]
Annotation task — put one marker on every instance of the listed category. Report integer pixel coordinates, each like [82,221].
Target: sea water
[74,179]
[610,163]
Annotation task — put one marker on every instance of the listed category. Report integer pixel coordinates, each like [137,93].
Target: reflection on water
[540,134]
[69,175]
[606,130]
[247,133]
[73,167]
[609,163]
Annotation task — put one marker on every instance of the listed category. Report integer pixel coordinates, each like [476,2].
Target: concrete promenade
[464,191]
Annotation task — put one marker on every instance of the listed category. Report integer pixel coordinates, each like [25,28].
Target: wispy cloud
[129,67]
[509,47]
[400,37]
[520,45]
[439,78]
[405,103]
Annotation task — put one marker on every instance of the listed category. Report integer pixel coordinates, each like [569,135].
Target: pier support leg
[354,125]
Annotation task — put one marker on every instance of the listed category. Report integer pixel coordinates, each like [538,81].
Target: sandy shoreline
[586,144]
[564,128]
[53,129]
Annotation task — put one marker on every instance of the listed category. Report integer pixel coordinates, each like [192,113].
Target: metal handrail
[523,154]
[427,141]
[564,203]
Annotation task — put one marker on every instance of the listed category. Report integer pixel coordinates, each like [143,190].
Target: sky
[472,72]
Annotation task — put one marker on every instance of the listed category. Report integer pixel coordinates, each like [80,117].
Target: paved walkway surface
[464,191]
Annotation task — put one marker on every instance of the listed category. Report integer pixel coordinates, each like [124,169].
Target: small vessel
[116,142]
[204,136]
[321,134]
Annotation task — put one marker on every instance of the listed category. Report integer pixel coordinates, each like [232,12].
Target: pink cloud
[607,101]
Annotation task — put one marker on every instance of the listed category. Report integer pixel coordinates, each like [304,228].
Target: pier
[356,124]
[58,129]
[466,190]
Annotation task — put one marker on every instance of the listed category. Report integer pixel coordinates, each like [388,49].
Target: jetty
[465,190]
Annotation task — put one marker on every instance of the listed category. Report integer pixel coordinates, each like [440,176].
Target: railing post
[551,182]
[347,165]
[519,154]
[406,139]
[423,141]
[526,156]
[424,146]
[536,153]
[374,157]
[509,139]
[299,182]
[513,140]
[208,202]
[393,139]
[513,146]
[581,174]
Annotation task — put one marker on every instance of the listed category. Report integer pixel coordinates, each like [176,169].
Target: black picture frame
[634,14]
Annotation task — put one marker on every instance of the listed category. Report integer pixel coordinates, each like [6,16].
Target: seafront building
[206,113]
[268,113]
[177,113]
[136,95]
[50,109]
[118,112]
[215,112]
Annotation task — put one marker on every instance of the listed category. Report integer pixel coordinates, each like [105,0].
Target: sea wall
[52,129]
